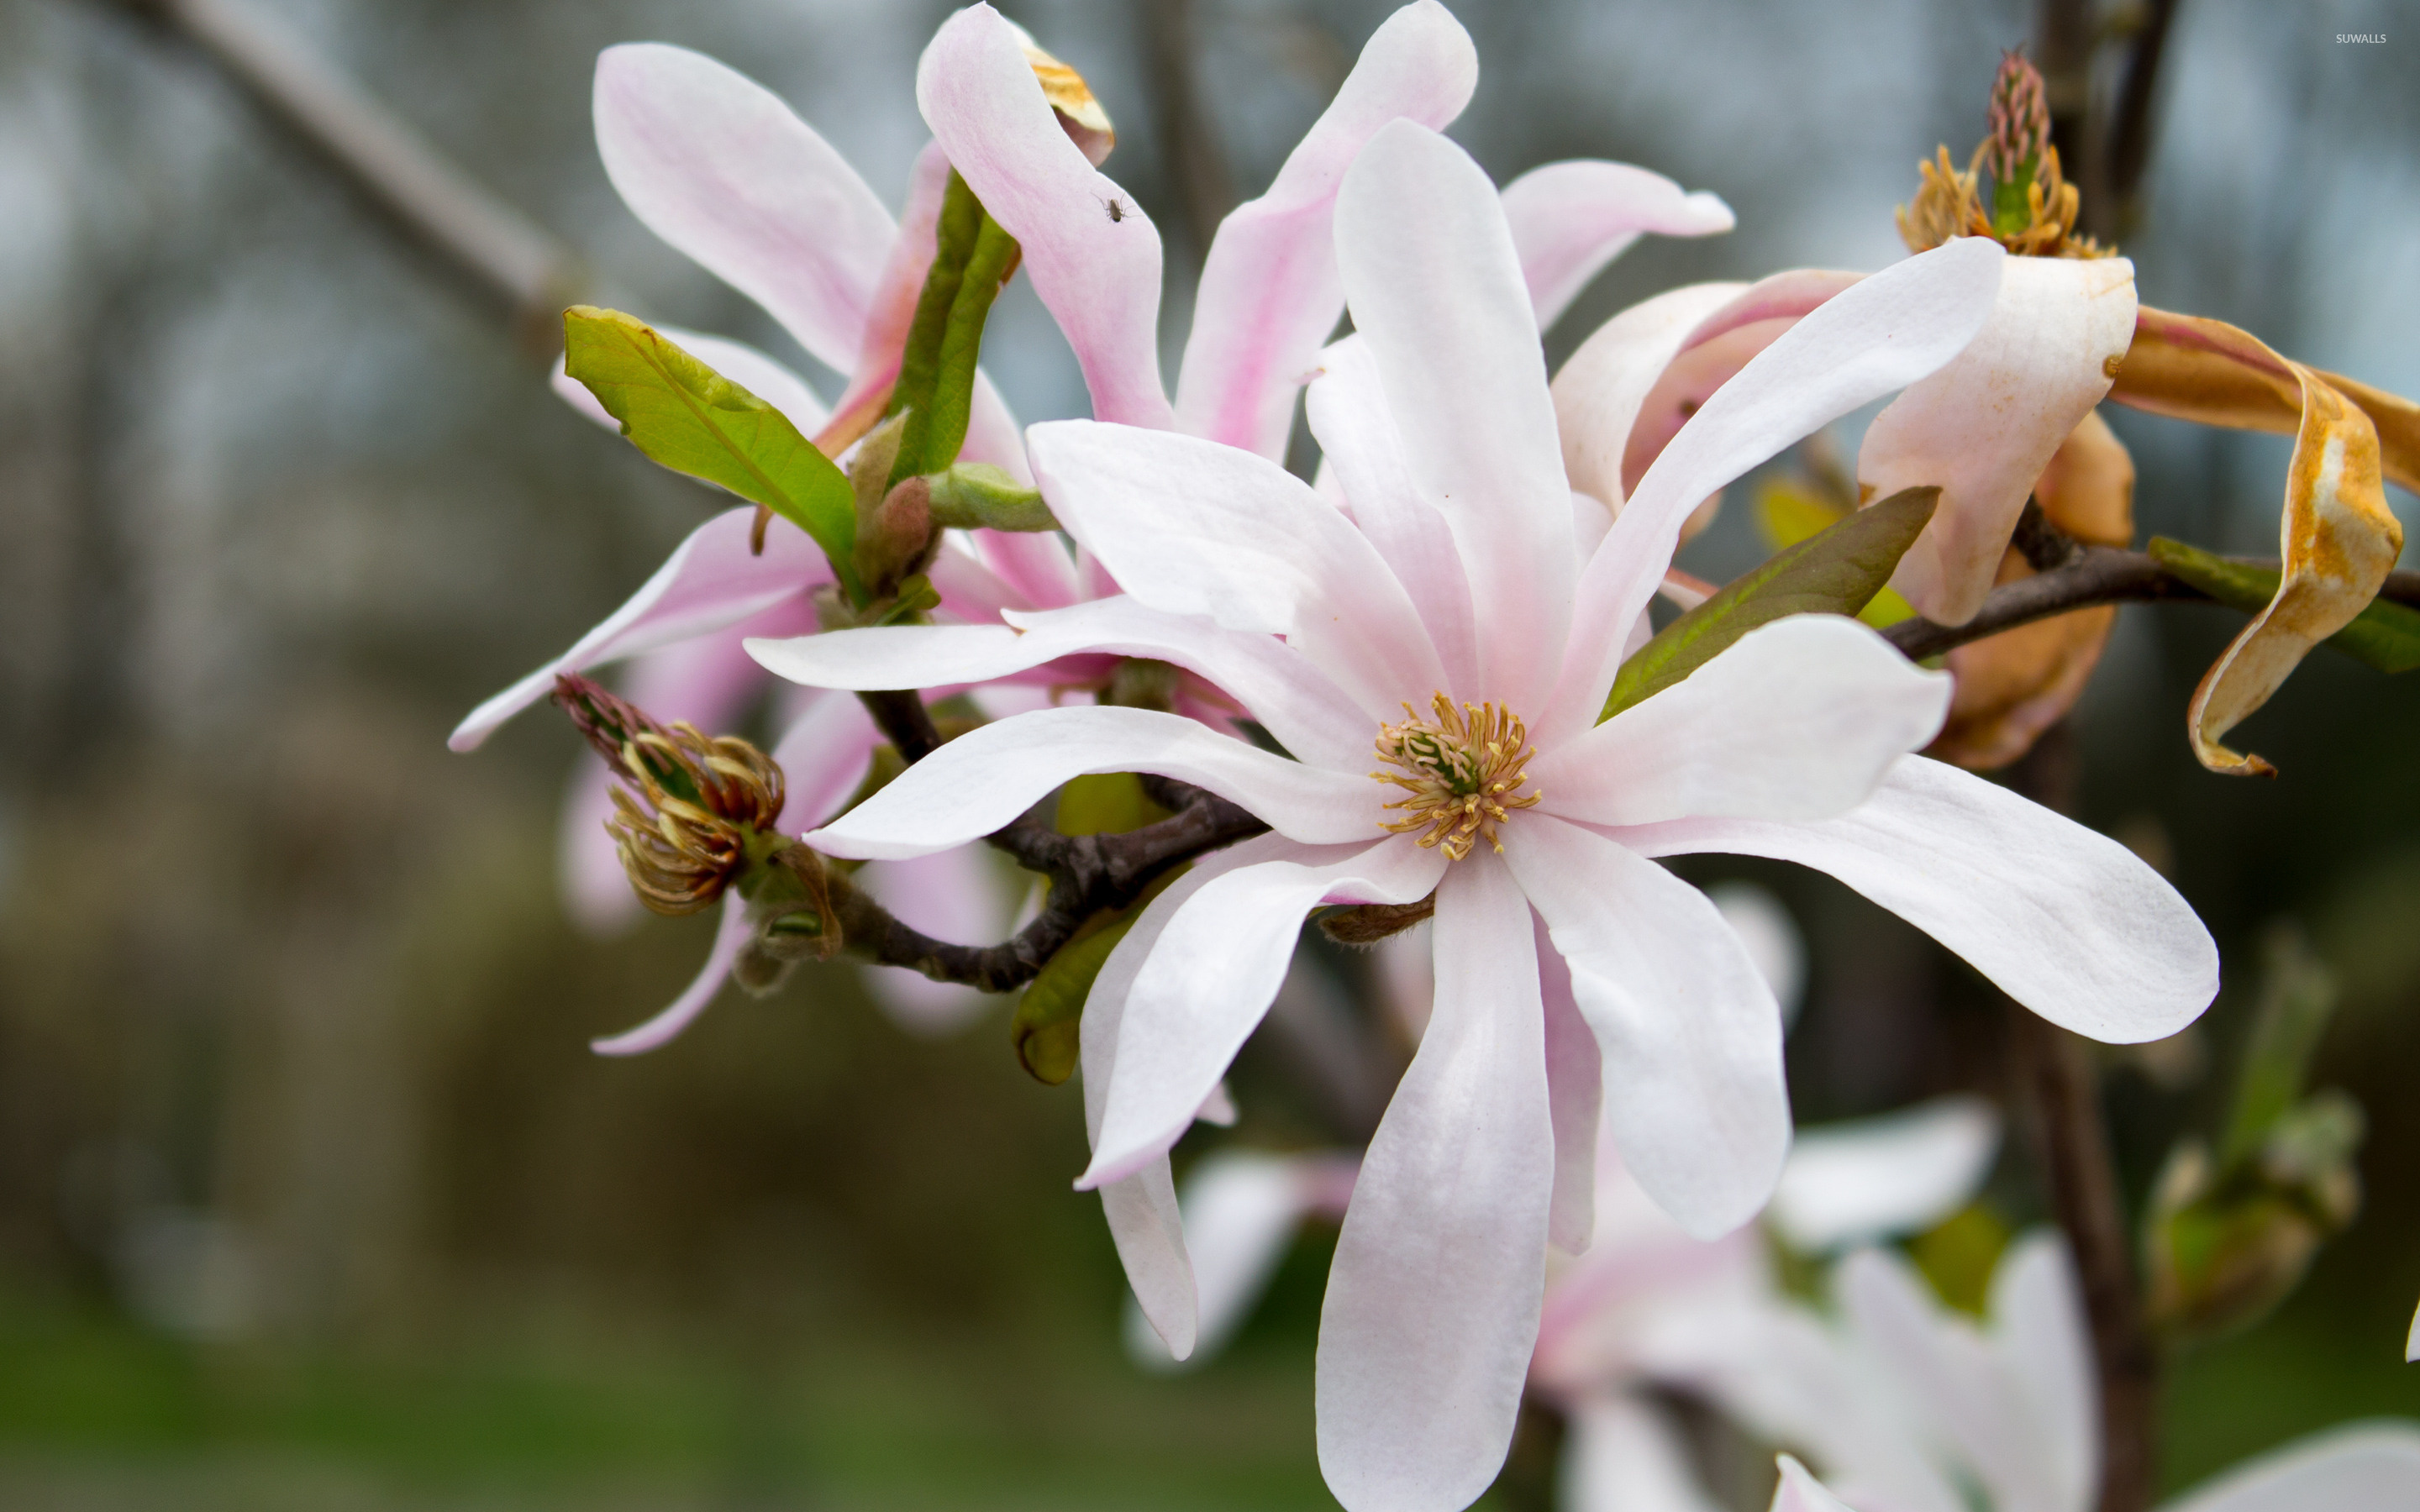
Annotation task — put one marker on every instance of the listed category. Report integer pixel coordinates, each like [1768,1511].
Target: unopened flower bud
[2020,120]
[695,811]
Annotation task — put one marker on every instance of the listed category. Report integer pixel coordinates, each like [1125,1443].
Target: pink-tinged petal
[985,779]
[1691,1036]
[960,895]
[2372,1466]
[1364,453]
[901,283]
[824,754]
[1800,1491]
[1232,536]
[1033,564]
[1213,974]
[589,873]
[2068,922]
[1623,1453]
[1764,925]
[1890,330]
[1280,687]
[730,935]
[1146,1222]
[1433,1302]
[2044,1342]
[1571,219]
[708,583]
[1599,390]
[1437,292]
[1270,289]
[762,376]
[1574,1099]
[1984,427]
[1798,719]
[718,166]
[994,436]
[1878,1178]
[1241,1208]
[1093,254]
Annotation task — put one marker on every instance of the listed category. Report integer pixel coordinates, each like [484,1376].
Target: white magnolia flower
[1465,625]
[1909,1407]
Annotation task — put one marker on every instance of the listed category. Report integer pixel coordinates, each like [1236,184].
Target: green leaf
[1045,1030]
[1787,514]
[972,256]
[2298,994]
[979,496]
[1106,803]
[1838,570]
[2384,635]
[691,419]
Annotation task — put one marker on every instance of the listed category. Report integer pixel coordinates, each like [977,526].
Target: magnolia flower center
[1463,771]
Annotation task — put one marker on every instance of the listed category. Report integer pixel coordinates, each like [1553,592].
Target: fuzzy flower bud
[696,811]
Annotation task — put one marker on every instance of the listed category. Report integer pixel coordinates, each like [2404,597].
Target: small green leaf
[1106,803]
[972,256]
[1787,514]
[1045,1030]
[2384,635]
[1838,570]
[979,496]
[691,419]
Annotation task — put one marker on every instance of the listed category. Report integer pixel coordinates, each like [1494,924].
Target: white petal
[1435,289]
[1576,1100]
[1625,1455]
[2067,921]
[1571,219]
[1764,925]
[1876,1179]
[1690,1033]
[1270,291]
[2372,1466]
[1218,965]
[2045,1342]
[719,167]
[1280,687]
[1432,1304]
[1802,1493]
[1883,334]
[1241,1208]
[730,935]
[982,781]
[1798,719]
[1983,428]
[1234,536]
[1364,452]
[1601,387]
[709,582]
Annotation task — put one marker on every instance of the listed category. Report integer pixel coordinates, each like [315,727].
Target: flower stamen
[1462,769]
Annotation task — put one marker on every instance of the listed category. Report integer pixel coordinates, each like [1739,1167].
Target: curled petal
[1433,1304]
[986,778]
[730,935]
[2067,921]
[1600,392]
[719,167]
[711,582]
[1270,290]
[1093,254]
[1571,219]
[1984,426]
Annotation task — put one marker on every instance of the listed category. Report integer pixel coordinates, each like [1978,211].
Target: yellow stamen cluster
[1948,204]
[1460,769]
[681,854]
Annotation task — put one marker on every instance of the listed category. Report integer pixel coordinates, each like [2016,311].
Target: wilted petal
[1984,426]
[1433,1304]
[1690,1033]
[730,935]
[1797,719]
[2338,540]
[1270,291]
[1437,292]
[1571,219]
[2067,921]
[1625,1455]
[1218,965]
[1599,391]
[1362,450]
[719,167]
[1879,1177]
[1887,331]
[1234,536]
[985,779]
[2372,1466]
[709,582]
[1093,254]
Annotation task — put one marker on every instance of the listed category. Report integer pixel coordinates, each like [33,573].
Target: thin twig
[505,255]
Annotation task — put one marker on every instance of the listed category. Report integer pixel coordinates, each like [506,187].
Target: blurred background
[311,1194]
